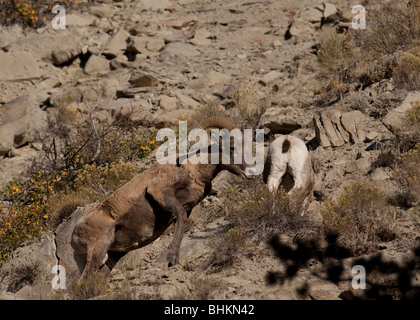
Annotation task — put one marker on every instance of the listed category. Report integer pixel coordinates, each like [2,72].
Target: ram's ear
[316,165]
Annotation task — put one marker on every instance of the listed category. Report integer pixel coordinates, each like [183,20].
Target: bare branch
[98,147]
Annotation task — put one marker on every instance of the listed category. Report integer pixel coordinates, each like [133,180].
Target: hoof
[171,260]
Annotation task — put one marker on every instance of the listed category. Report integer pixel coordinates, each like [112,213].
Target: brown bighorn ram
[142,209]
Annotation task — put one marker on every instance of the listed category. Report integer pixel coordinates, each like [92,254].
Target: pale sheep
[288,155]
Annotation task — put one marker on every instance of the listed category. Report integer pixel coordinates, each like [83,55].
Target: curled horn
[216,122]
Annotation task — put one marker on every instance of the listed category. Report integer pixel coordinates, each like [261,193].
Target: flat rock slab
[179,49]
[18,67]
[153,5]
[395,119]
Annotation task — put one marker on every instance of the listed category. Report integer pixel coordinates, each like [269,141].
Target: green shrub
[413,116]
[70,172]
[334,55]
[260,214]
[21,272]
[362,57]
[362,217]
[391,27]
[407,73]
[407,176]
[227,249]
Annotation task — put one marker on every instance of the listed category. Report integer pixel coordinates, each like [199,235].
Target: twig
[98,147]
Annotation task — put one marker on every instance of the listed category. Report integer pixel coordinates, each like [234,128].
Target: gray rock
[354,123]
[177,37]
[201,37]
[103,11]
[167,103]
[60,100]
[379,174]
[284,120]
[181,22]
[117,44]
[20,121]
[313,15]
[15,167]
[362,165]
[333,128]
[186,101]
[395,119]
[120,63]
[153,5]
[165,119]
[330,12]
[75,19]
[97,65]
[301,29]
[18,66]
[141,79]
[155,45]
[209,79]
[63,234]
[65,56]
[270,77]
[222,180]
[178,49]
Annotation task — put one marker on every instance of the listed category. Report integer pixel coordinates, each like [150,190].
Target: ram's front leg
[167,200]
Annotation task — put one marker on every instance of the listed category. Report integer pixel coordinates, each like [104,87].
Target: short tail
[267,168]
[286,146]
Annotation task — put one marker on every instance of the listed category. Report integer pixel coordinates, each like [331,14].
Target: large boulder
[334,128]
[64,250]
[395,119]
[117,44]
[179,49]
[18,66]
[284,120]
[20,121]
[42,255]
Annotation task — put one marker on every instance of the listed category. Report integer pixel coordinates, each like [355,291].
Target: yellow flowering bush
[136,145]
[30,13]
[57,184]
[96,181]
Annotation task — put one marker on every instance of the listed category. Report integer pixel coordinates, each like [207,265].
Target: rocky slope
[163,59]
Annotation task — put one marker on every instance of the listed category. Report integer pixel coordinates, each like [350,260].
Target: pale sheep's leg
[277,171]
[274,181]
